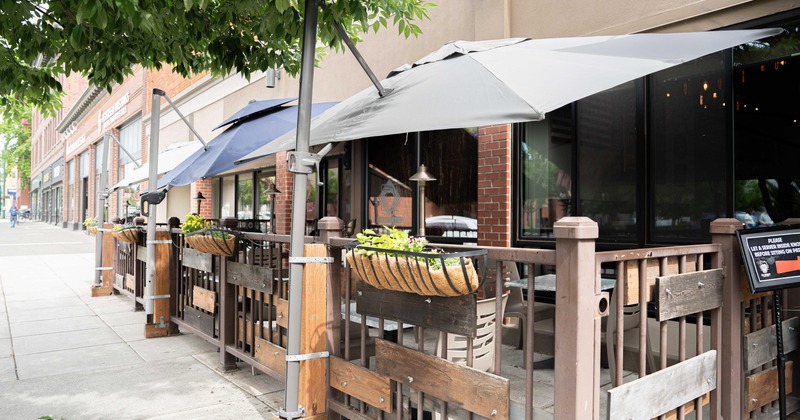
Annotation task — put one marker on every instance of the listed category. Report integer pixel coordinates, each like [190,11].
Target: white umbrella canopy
[480,83]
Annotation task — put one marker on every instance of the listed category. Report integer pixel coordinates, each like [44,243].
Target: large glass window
[688,137]
[607,162]
[71,191]
[130,138]
[228,197]
[244,196]
[545,162]
[767,129]
[450,156]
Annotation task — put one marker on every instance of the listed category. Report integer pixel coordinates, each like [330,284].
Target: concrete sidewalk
[66,354]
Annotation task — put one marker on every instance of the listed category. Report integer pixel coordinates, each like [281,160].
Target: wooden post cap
[575,228]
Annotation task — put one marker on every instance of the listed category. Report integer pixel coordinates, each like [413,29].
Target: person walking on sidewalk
[13,214]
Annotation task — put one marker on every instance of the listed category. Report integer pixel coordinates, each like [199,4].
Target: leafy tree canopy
[103,39]
[15,137]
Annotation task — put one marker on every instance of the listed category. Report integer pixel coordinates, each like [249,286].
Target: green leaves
[103,39]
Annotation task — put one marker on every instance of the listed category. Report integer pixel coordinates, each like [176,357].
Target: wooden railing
[385,362]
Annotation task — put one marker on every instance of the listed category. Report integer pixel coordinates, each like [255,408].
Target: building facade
[653,161]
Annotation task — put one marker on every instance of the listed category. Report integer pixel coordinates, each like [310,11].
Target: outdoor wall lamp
[422,176]
[272,191]
[199,198]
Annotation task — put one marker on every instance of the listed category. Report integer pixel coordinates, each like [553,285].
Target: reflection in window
[688,138]
[391,163]
[226,208]
[607,164]
[546,166]
[244,196]
[451,208]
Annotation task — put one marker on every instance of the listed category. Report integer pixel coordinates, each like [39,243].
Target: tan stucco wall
[554,18]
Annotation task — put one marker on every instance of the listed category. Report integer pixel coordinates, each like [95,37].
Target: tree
[15,132]
[103,39]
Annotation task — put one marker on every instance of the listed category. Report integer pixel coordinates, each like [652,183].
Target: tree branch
[44,12]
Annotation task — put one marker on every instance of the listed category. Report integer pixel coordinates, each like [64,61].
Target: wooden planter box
[414,272]
[211,245]
[130,235]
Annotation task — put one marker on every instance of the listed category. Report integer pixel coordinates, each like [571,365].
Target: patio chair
[517,306]
[482,344]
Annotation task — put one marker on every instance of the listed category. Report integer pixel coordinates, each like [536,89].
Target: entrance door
[84,200]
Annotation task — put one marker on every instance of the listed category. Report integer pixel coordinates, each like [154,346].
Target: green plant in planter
[117,228]
[195,223]
[90,222]
[401,241]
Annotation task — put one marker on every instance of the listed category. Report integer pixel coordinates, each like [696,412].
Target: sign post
[772,260]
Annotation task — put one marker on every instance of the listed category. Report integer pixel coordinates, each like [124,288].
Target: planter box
[211,245]
[92,230]
[130,235]
[414,272]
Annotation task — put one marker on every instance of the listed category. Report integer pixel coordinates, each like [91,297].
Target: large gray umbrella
[480,83]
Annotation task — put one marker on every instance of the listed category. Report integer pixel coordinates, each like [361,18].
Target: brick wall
[203,186]
[494,185]
[284,181]
[169,82]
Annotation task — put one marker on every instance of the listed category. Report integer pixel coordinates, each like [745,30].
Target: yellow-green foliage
[194,223]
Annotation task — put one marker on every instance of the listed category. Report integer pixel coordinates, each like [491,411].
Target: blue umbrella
[254,108]
[236,141]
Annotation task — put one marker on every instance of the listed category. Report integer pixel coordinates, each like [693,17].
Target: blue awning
[253,109]
[235,142]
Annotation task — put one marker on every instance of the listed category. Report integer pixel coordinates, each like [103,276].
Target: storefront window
[767,129]
[688,137]
[244,196]
[390,163]
[71,191]
[546,173]
[228,197]
[451,202]
[607,162]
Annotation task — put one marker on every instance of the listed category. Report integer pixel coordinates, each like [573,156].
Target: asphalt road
[37,238]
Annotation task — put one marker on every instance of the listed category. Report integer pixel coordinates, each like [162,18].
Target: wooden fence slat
[204,299]
[251,276]
[631,295]
[454,315]
[282,313]
[689,293]
[482,393]
[664,390]
[761,347]
[199,320]
[197,260]
[271,355]
[363,384]
[761,388]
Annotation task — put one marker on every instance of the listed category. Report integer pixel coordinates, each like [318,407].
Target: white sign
[77,143]
[56,171]
[115,112]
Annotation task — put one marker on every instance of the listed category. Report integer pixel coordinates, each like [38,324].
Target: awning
[167,160]
[481,83]
[236,141]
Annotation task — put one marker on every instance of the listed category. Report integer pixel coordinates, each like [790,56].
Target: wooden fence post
[331,227]
[159,325]
[313,380]
[730,382]
[577,323]
[107,262]
[227,309]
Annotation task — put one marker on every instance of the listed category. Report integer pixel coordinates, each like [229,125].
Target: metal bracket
[104,268]
[160,242]
[302,162]
[161,323]
[307,260]
[289,415]
[158,297]
[307,356]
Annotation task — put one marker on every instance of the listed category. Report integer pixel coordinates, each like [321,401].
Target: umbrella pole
[100,206]
[296,255]
[152,208]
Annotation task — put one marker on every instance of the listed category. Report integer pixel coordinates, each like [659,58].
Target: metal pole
[291,409]
[777,310]
[180,114]
[347,41]
[127,153]
[99,211]
[149,286]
